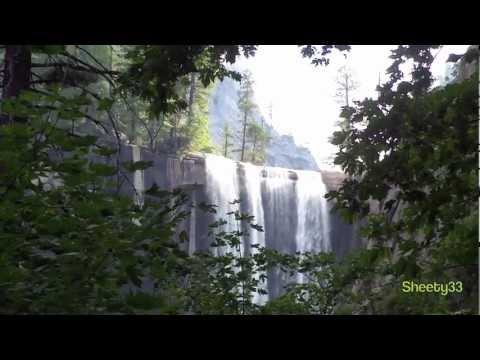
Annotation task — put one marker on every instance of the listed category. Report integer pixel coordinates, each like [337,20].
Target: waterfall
[313,227]
[280,212]
[253,180]
[138,180]
[280,208]
[223,190]
[289,205]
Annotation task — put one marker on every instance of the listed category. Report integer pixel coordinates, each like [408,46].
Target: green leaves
[257,227]
[415,149]
[72,166]
[310,51]
[71,142]
[154,71]
[210,208]
[157,192]
[68,241]
[183,237]
[105,104]
[105,151]
[137,165]
[72,246]
[103,169]
[142,301]
[49,49]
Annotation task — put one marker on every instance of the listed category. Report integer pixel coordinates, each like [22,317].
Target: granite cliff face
[288,202]
[468,64]
[282,151]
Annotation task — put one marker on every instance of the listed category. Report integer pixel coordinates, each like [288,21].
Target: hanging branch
[150,134]
[89,66]
[104,73]
[77,64]
[93,58]
[50,107]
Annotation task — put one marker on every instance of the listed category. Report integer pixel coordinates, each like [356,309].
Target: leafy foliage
[68,246]
[319,57]
[153,71]
[70,243]
[417,156]
[258,138]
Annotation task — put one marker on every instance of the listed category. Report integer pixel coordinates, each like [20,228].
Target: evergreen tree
[346,84]
[246,106]
[226,136]
[258,138]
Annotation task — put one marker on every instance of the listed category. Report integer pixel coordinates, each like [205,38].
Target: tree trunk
[346,101]
[254,148]
[226,144]
[16,75]
[133,130]
[110,68]
[244,136]
[346,90]
[191,98]
[174,133]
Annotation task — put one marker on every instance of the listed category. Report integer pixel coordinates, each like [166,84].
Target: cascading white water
[222,190]
[313,227]
[138,180]
[253,180]
[289,205]
[278,198]
[278,189]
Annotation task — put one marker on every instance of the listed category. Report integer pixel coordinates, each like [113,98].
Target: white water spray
[222,191]
[289,205]
[313,227]
[138,180]
[253,180]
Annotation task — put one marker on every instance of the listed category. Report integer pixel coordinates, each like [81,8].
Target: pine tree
[346,84]
[258,138]
[246,105]
[227,135]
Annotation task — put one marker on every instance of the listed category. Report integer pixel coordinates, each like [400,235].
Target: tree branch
[104,72]
[93,58]
[73,67]
[49,107]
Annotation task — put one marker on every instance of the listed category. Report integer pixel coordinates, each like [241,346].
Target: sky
[302,96]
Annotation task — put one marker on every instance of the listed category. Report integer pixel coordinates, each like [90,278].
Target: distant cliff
[282,151]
